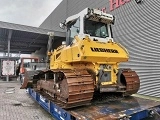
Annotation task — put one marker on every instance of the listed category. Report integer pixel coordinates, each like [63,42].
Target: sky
[26,12]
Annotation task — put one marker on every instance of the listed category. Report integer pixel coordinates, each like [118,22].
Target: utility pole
[9,42]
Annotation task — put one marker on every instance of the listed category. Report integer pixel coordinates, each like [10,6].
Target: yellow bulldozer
[85,64]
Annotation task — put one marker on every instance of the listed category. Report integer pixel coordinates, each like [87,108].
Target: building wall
[57,16]
[136,27]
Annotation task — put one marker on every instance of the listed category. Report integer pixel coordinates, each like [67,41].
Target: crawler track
[75,88]
[132,81]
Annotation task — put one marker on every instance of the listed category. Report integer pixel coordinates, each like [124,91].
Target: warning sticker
[8,68]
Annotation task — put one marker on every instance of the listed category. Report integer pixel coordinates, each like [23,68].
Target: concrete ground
[16,104]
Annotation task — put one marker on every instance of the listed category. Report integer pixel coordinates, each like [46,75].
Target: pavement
[16,104]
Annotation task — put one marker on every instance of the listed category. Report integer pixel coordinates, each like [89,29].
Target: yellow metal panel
[69,55]
[103,52]
[64,55]
[75,53]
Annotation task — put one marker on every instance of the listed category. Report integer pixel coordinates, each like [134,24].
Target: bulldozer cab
[92,22]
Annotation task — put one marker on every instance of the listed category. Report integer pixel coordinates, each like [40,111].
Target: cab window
[73,29]
[96,29]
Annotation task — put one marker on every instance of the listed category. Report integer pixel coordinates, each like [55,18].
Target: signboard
[8,67]
[114,4]
[117,3]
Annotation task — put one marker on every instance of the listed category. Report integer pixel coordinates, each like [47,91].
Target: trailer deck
[128,108]
[131,107]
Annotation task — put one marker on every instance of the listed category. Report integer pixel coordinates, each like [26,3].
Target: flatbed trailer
[128,108]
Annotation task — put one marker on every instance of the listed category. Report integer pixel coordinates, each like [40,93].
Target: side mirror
[62,26]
